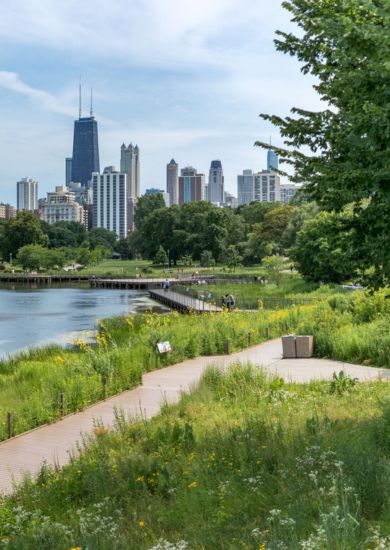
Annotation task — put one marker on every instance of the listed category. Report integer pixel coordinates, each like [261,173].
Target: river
[33,317]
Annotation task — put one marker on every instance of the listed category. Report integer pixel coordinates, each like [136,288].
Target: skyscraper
[246,187]
[85,158]
[272,161]
[130,166]
[68,170]
[173,182]
[27,194]
[110,204]
[191,185]
[216,183]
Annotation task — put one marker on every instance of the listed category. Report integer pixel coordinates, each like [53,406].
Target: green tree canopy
[22,230]
[341,153]
[323,250]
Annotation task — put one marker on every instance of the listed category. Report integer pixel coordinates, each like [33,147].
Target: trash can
[289,348]
[304,347]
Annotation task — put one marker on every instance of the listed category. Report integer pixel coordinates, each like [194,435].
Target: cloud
[11,81]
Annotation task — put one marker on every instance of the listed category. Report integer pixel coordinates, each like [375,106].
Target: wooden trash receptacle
[289,348]
[304,346]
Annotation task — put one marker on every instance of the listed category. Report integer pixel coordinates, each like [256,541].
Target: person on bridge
[166,285]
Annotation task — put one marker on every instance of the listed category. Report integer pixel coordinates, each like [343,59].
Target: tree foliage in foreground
[345,45]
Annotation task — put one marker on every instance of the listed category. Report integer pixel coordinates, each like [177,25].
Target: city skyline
[189,89]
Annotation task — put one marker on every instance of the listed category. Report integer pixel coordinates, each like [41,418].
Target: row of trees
[36,244]
[317,241]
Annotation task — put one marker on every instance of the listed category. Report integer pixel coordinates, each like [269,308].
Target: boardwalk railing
[265,302]
[184,302]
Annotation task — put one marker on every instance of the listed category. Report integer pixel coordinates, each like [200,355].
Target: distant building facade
[215,188]
[110,201]
[260,186]
[27,194]
[61,206]
[272,161]
[173,182]
[68,170]
[287,191]
[191,185]
[230,200]
[130,165]
[267,186]
[246,187]
[85,159]
[7,211]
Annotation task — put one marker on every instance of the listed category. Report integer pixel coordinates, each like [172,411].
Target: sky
[183,79]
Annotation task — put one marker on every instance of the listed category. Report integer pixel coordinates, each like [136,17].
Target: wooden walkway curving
[183,303]
[55,442]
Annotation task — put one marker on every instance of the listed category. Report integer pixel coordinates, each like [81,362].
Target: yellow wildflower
[100,430]
[193,485]
[262,547]
[141,523]
[58,360]
[140,478]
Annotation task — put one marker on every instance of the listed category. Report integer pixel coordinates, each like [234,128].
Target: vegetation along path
[54,443]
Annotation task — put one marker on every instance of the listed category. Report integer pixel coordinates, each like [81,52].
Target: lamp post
[10,259]
[169,261]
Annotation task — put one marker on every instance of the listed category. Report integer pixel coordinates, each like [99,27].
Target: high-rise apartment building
[287,191]
[27,194]
[246,187]
[110,202]
[61,206]
[215,193]
[85,159]
[7,211]
[272,161]
[68,170]
[267,186]
[130,165]
[173,182]
[191,185]
[261,187]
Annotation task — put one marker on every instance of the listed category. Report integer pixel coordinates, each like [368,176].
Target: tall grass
[352,328]
[246,461]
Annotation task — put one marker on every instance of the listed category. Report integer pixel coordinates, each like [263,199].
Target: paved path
[53,443]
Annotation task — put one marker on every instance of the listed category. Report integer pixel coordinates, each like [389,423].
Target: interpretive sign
[164,347]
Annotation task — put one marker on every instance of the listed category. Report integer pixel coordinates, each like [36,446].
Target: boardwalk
[183,303]
[139,283]
[54,442]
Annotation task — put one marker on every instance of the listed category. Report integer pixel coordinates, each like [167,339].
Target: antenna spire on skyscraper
[80,98]
[91,111]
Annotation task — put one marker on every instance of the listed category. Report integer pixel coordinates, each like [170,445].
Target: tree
[161,257]
[323,250]
[232,257]
[345,45]
[145,206]
[22,230]
[61,234]
[206,259]
[34,256]
[273,267]
[98,236]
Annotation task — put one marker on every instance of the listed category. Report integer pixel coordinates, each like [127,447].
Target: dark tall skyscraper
[85,158]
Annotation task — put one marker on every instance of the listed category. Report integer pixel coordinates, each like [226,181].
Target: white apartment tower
[260,187]
[173,182]
[110,201]
[27,194]
[131,167]
[215,190]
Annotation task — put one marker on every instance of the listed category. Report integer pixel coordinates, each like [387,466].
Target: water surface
[32,317]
